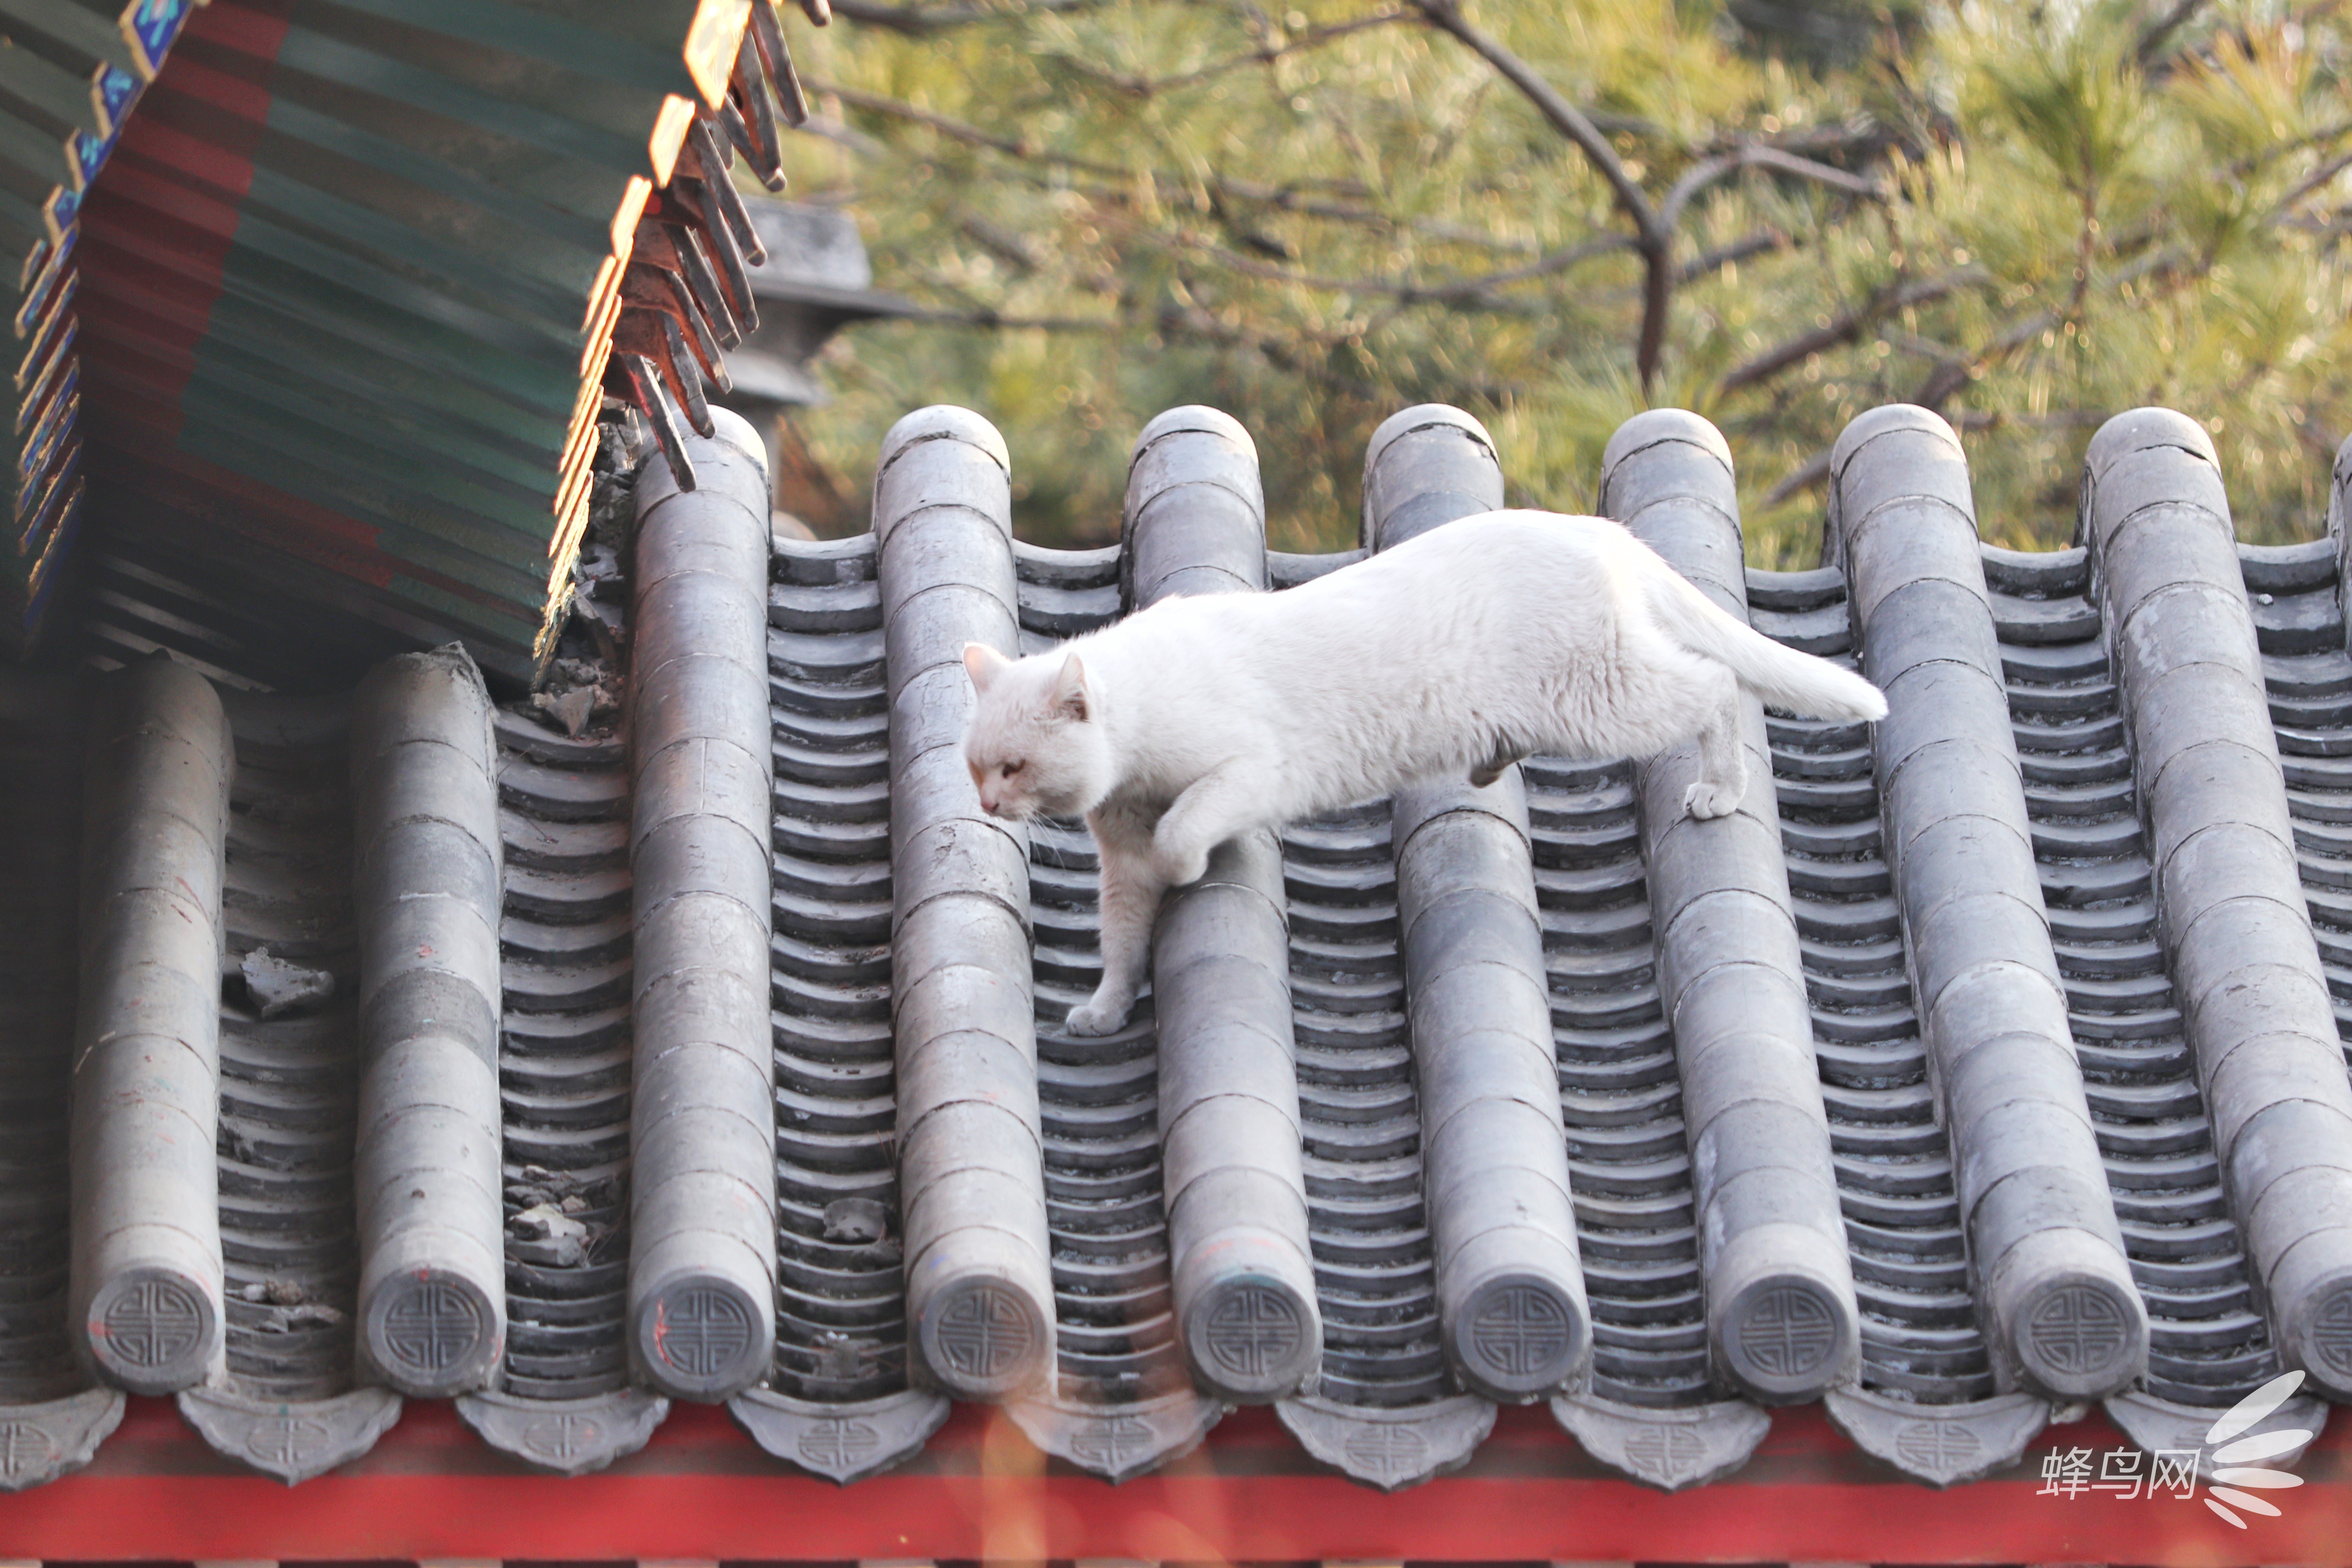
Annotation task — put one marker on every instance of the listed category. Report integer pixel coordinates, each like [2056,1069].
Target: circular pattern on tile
[1783,1336]
[286,1442]
[152,1330]
[562,1438]
[1664,1455]
[430,1326]
[2077,1337]
[983,1337]
[1518,1335]
[431,1332]
[1113,1443]
[838,1446]
[1386,1450]
[1937,1447]
[2330,1337]
[701,1337]
[25,1450]
[1248,1335]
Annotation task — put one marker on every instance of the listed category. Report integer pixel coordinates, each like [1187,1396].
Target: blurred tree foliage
[1311,213]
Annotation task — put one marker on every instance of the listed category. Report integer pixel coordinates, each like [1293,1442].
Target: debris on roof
[1987,1063]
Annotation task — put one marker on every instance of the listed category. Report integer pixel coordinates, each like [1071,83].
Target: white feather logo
[2235,1466]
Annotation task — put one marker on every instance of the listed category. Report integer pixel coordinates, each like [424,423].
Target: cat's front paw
[1096,1017]
[1708,801]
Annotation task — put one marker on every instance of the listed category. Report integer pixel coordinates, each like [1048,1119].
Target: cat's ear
[984,664]
[1070,696]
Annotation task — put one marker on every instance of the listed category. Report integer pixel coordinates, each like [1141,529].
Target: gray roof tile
[426,902]
[2235,922]
[1241,1275]
[2046,1253]
[702,1224]
[1984,1063]
[1510,1290]
[1783,1325]
[147,1291]
[980,1285]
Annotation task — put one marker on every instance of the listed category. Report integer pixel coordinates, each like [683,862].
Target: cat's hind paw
[1708,801]
[1180,869]
[1094,1017]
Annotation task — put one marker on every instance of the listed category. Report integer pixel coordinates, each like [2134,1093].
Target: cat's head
[1036,744]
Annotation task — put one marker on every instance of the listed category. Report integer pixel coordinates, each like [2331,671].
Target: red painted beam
[702,1490]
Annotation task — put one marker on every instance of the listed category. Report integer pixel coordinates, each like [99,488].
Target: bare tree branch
[1651,236]
[954,130]
[1543,267]
[1706,171]
[1565,118]
[973,135]
[922,21]
[1654,224]
[1862,132]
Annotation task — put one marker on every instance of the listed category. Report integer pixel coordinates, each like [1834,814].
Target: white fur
[1492,638]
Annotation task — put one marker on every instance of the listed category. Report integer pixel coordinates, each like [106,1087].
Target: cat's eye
[1011,768]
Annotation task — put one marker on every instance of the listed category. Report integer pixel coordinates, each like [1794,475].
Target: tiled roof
[1989,1061]
[341,312]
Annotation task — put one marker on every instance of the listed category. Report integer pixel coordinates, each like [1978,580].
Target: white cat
[1492,638]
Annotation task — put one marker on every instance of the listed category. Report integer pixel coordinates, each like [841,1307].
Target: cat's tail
[1792,681]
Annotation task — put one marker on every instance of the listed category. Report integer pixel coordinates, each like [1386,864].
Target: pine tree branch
[1954,374]
[2159,32]
[1024,148]
[1405,290]
[1285,199]
[1655,225]
[1706,262]
[998,320]
[2314,181]
[2055,419]
[1943,381]
[1264,55]
[1846,327]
